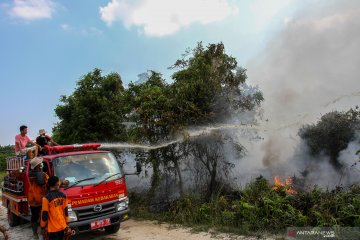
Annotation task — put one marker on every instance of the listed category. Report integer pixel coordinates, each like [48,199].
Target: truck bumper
[85,226]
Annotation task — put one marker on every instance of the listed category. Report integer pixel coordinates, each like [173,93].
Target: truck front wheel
[113,228]
[13,220]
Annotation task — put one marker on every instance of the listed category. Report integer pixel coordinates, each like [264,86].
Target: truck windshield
[95,166]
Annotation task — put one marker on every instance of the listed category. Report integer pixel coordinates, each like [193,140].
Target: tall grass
[258,207]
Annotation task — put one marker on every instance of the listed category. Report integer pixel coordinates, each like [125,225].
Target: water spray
[354,94]
[190,133]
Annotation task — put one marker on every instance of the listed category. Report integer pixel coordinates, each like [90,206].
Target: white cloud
[164,17]
[32,9]
[89,31]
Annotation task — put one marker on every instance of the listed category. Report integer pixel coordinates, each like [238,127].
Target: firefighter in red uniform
[37,190]
[54,214]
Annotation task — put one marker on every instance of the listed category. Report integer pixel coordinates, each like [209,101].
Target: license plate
[100,223]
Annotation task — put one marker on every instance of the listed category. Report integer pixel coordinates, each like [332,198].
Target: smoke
[309,69]
[272,152]
[351,162]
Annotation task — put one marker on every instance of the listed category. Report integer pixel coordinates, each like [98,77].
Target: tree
[149,109]
[210,154]
[5,152]
[207,86]
[212,164]
[331,134]
[94,112]
[150,102]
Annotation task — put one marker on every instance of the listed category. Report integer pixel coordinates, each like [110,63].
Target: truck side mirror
[138,167]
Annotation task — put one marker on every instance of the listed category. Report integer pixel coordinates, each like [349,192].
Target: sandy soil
[138,230]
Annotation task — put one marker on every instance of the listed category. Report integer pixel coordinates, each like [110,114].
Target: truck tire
[13,220]
[113,228]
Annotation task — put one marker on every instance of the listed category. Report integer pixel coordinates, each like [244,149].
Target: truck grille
[88,212]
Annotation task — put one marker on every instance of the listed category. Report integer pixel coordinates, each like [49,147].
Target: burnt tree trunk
[178,172]
[212,183]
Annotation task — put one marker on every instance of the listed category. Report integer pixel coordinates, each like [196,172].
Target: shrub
[258,207]
[5,151]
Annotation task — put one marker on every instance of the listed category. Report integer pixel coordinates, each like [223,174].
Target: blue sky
[47,45]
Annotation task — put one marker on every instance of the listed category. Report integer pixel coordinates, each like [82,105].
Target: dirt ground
[130,230]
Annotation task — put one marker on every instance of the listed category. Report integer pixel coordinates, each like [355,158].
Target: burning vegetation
[287,186]
[261,206]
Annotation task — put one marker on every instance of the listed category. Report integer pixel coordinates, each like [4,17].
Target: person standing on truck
[44,139]
[54,213]
[21,140]
[37,190]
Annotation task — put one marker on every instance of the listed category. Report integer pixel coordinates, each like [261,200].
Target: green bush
[5,151]
[258,207]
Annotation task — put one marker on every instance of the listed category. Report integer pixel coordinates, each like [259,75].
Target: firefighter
[37,190]
[54,214]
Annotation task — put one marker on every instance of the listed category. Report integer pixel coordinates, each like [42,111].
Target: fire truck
[96,187]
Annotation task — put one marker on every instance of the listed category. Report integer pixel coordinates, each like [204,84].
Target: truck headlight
[123,204]
[72,215]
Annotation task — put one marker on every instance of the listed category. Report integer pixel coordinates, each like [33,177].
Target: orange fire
[278,185]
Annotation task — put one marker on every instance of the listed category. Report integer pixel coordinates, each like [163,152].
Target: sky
[46,46]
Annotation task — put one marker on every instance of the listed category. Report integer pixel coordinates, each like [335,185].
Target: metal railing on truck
[12,182]
[15,163]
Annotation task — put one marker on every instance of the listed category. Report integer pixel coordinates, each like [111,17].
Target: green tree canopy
[149,109]
[331,134]
[207,86]
[94,112]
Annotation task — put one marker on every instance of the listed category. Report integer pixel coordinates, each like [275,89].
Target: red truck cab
[96,190]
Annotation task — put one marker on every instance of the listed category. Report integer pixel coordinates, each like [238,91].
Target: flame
[278,185]
[288,181]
